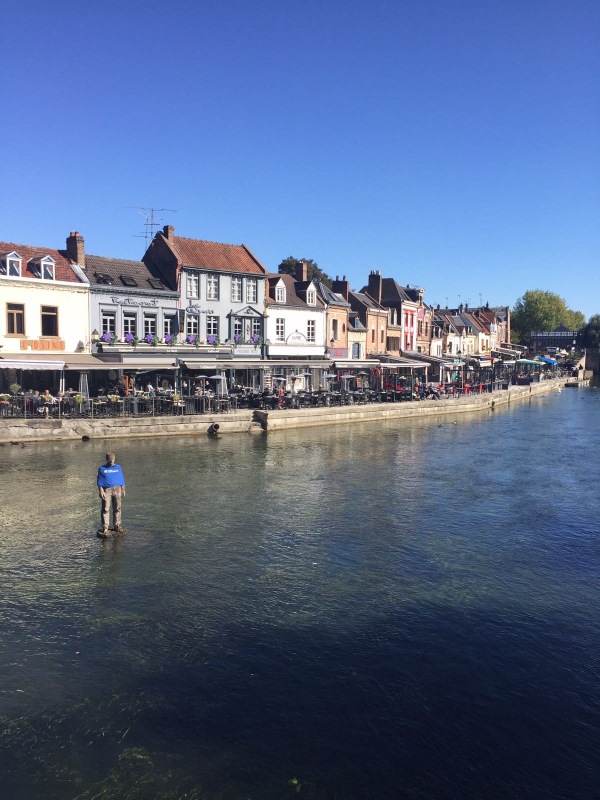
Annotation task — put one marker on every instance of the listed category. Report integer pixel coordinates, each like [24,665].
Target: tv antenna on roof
[152,222]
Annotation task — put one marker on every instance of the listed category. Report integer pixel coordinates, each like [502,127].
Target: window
[169,324]
[104,278]
[419,328]
[212,287]
[108,323]
[238,327]
[130,324]
[155,283]
[356,350]
[251,290]
[311,297]
[236,290]
[49,321]
[256,327]
[382,332]
[15,319]
[334,329]
[48,269]
[10,265]
[280,294]
[373,335]
[192,325]
[280,330]
[42,268]
[212,326]
[149,325]
[127,280]
[311,329]
[192,284]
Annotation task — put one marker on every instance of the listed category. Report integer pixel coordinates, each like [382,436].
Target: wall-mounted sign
[42,344]
[133,301]
[296,338]
[191,309]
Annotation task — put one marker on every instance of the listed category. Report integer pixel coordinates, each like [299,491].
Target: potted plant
[131,339]
[170,339]
[151,339]
[109,338]
[15,388]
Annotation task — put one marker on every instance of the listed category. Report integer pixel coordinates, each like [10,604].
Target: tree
[590,335]
[288,265]
[575,320]
[537,310]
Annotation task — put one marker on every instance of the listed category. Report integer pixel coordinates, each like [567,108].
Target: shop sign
[42,344]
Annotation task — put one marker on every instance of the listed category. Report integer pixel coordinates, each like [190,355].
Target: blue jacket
[110,476]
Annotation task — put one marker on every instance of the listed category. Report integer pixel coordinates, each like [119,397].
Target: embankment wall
[50,430]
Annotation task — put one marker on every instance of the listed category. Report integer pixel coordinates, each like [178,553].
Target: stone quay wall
[250,421]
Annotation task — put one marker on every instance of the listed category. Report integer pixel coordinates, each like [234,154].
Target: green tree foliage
[574,320]
[288,265]
[590,336]
[538,310]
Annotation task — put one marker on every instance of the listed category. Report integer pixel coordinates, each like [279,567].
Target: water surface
[403,610]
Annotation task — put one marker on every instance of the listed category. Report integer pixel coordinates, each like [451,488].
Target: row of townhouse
[196,305]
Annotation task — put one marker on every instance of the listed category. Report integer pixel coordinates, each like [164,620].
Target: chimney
[76,249]
[375,285]
[169,232]
[341,287]
[301,271]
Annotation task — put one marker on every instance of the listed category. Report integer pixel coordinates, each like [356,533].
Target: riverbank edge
[251,421]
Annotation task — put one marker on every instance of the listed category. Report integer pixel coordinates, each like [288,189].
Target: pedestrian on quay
[111,488]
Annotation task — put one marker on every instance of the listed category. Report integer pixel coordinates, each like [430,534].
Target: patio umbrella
[330,375]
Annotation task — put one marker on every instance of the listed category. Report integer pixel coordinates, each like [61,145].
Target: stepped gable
[63,271]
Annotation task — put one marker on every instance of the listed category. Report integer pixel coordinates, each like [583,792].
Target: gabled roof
[391,292]
[293,291]
[62,272]
[365,300]
[214,255]
[116,269]
[330,297]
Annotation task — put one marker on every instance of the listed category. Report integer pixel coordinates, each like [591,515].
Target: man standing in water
[111,488]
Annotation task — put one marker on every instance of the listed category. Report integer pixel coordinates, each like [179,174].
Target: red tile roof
[213,255]
[63,271]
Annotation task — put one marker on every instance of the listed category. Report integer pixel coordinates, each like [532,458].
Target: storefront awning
[141,363]
[546,360]
[254,363]
[30,363]
[400,361]
[355,364]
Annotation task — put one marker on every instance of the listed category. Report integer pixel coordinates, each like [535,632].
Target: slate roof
[367,301]
[63,270]
[330,297]
[115,268]
[292,286]
[215,256]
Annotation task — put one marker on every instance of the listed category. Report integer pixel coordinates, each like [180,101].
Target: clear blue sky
[452,144]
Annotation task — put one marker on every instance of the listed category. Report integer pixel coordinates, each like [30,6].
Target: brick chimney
[76,249]
[375,285]
[169,232]
[341,287]
[301,271]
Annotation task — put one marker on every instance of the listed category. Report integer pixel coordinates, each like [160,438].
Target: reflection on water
[403,610]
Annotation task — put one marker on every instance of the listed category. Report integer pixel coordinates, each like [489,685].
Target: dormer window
[311,297]
[102,277]
[280,294]
[43,268]
[10,265]
[127,280]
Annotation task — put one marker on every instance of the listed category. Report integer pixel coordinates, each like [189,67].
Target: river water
[404,610]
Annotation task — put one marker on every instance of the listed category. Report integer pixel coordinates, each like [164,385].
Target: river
[403,610]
